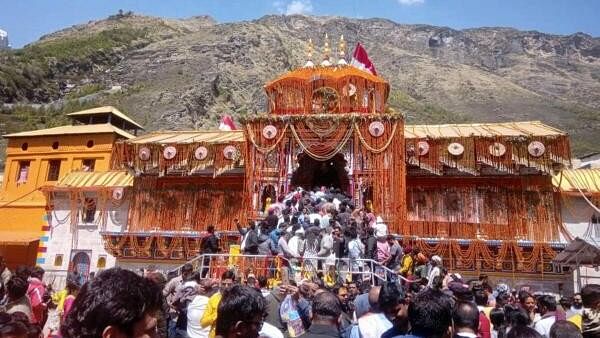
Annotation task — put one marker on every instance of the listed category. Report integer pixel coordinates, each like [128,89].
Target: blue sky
[27,20]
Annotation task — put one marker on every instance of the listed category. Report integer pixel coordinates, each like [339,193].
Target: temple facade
[480,195]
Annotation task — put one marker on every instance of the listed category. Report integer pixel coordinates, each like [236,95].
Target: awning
[579,252]
[507,129]
[17,238]
[573,180]
[93,180]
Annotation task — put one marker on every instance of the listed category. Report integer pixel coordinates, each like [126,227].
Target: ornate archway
[312,173]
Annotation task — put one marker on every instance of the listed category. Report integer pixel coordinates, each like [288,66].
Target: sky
[27,20]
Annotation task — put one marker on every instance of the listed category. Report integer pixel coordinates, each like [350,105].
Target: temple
[480,195]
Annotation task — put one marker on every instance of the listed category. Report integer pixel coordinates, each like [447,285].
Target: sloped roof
[569,180]
[511,129]
[579,251]
[106,110]
[169,137]
[95,179]
[71,130]
[318,72]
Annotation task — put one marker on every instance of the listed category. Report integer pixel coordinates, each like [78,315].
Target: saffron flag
[227,123]
[360,60]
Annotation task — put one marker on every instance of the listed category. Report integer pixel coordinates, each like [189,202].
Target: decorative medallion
[456,149]
[497,149]
[144,154]
[229,152]
[200,153]
[376,128]
[349,90]
[423,148]
[169,152]
[269,132]
[536,148]
[117,194]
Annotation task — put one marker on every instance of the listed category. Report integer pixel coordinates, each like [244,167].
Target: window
[53,170]
[24,146]
[55,145]
[89,210]
[101,263]
[90,143]
[58,260]
[23,172]
[88,164]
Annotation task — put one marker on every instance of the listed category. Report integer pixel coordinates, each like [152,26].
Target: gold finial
[309,49]
[342,47]
[342,51]
[326,49]
[309,54]
[326,52]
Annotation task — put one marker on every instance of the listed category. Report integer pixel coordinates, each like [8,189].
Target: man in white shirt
[374,323]
[547,307]
[196,309]
[436,270]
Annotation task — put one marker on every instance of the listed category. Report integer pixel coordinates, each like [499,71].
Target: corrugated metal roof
[212,136]
[587,180]
[95,179]
[527,128]
[106,110]
[72,130]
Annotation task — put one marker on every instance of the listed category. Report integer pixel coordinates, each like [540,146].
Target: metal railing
[275,267]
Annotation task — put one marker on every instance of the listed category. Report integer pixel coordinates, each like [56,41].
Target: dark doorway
[312,173]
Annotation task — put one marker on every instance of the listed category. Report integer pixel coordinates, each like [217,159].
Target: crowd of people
[322,230]
[309,228]
[122,303]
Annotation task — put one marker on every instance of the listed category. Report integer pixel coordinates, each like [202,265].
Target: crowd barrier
[278,269]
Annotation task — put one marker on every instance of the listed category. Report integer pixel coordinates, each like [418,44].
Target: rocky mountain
[182,74]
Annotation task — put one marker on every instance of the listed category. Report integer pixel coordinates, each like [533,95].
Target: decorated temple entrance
[356,145]
[312,173]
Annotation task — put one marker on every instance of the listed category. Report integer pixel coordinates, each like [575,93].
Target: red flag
[360,60]
[227,123]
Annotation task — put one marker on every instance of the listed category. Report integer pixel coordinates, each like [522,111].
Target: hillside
[181,74]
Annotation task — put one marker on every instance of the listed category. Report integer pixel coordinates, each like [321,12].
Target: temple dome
[336,89]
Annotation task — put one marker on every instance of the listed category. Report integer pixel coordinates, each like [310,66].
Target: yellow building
[41,158]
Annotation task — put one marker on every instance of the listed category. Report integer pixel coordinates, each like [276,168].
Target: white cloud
[411,2]
[293,7]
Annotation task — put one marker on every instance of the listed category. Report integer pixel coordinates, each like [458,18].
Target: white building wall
[62,242]
[576,216]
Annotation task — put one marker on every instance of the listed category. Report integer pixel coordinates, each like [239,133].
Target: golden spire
[326,52]
[342,51]
[309,54]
